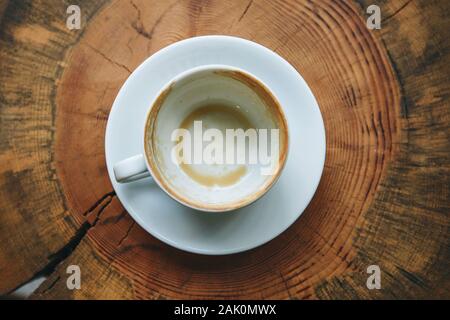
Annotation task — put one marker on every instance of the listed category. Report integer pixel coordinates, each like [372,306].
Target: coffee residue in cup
[221,117]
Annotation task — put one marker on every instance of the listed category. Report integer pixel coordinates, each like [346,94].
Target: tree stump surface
[383,198]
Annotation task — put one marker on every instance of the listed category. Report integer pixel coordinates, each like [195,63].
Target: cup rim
[172,192]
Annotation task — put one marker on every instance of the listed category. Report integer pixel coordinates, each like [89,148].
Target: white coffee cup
[183,96]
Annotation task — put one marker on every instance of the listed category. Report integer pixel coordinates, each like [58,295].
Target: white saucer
[230,232]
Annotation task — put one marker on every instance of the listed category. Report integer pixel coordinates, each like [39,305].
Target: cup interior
[219,98]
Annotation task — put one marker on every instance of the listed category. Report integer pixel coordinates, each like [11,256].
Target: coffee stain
[222,111]
[225,110]
[274,107]
[223,180]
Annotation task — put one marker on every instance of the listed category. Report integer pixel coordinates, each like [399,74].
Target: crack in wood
[127,233]
[59,256]
[102,208]
[396,11]
[138,25]
[51,285]
[100,200]
[65,251]
[120,65]
[245,10]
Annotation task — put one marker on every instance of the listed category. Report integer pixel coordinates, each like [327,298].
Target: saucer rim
[188,248]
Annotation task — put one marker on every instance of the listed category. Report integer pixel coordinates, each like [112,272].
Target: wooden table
[383,198]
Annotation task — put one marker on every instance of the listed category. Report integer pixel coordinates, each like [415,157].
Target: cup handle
[131,169]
